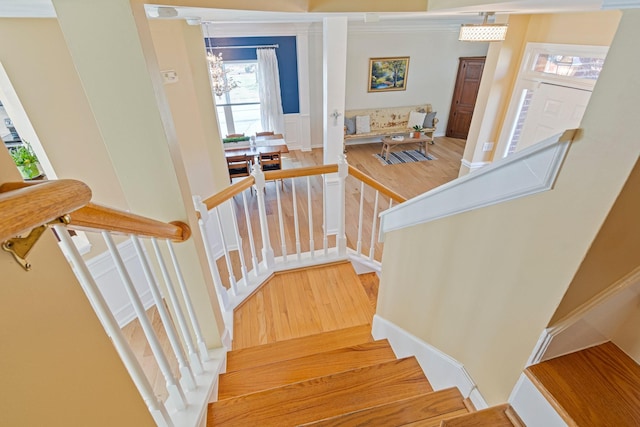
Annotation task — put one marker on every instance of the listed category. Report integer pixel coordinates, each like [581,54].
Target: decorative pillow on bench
[428,120]
[363,124]
[350,123]
[416,119]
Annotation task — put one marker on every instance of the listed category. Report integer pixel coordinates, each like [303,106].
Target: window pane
[246,76]
[573,66]
[246,118]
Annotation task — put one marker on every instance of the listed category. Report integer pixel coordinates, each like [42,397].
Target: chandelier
[220,82]
[484,32]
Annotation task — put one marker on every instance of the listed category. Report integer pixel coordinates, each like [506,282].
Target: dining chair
[271,161]
[266,133]
[238,166]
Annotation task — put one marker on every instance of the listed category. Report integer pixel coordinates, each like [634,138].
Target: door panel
[553,109]
[464,96]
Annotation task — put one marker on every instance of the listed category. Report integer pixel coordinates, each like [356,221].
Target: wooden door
[464,96]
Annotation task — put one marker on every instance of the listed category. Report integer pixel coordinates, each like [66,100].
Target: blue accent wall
[287,62]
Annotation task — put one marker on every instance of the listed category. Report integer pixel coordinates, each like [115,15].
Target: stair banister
[267,249]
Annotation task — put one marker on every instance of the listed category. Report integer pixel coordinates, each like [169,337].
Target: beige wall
[565,28]
[57,365]
[180,47]
[51,94]
[482,285]
[614,253]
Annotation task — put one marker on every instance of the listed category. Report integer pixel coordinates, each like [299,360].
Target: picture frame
[388,74]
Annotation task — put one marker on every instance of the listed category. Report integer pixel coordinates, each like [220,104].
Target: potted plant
[26,160]
[416,131]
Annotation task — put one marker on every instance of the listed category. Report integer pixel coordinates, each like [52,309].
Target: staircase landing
[303,302]
[599,386]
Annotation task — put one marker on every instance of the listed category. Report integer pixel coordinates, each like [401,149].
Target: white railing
[187,368]
[305,217]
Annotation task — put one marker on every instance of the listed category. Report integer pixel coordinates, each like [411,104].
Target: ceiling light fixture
[484,32]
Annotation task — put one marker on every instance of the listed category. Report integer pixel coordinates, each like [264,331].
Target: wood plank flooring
[408,180]
[302,302]
[599,386]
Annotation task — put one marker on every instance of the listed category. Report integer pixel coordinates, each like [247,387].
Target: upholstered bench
[376,122]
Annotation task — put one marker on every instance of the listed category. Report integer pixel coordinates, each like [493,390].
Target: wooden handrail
[358,174]
[35,203]
[94,217]
[24,207]
[298,172]
[228,193]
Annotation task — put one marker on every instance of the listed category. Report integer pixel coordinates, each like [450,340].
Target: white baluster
[310,213]
[390,203]
[243,265]
[360,215]
[176,395]
[225,249]
[221,292]
[202,347]
[341,238]
[325,237]
[157,409]
[194,360]
[252,244]
[267,250]
[283,243]
[372,248]
[296,226]
[186,376]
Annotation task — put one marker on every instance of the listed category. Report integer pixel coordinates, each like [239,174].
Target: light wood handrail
[229,192]
[25,206]
[94,217]
[298,172]
[358,174]
[38,203]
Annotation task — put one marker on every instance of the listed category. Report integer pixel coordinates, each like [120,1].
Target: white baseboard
[532,407]
[106,275]
[442,370]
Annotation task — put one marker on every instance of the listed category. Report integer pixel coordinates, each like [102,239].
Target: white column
[334,75]
[304,123]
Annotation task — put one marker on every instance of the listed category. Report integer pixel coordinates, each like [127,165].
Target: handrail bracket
[20,247]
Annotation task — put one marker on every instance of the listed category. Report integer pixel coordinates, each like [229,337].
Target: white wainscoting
[108,280]
[442,370]
[532,407]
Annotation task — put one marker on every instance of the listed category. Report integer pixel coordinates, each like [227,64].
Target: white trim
[592,323]
[532,407]
[473,165]
[104,272]
[527,172]
[620,4]
[442,370]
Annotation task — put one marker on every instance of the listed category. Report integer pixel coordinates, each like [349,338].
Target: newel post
[267,250]
[341,238]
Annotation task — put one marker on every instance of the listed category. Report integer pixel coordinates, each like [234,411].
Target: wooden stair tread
[429,408]
[297,347]
[323,397]
[594,387]
[491,417]
[290,371]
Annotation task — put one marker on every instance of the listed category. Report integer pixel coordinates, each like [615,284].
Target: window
[565,65]
[239,109]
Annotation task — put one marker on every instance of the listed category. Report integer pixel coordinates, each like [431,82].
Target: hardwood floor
[302,302]
[309,307]
[408,180]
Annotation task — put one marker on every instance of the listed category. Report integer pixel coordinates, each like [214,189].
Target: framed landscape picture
[386,74]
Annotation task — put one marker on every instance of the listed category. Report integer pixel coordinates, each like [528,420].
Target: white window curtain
[269,82]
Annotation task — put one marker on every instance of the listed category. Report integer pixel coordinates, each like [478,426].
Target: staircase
[337,378]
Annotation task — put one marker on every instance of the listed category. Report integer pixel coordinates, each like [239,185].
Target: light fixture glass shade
[483,32]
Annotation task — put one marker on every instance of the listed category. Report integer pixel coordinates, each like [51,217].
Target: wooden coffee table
[388,143]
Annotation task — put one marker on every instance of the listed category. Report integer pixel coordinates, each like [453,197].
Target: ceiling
[44,8]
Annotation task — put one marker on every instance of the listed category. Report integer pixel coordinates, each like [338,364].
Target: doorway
[465,93]
[551,93]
